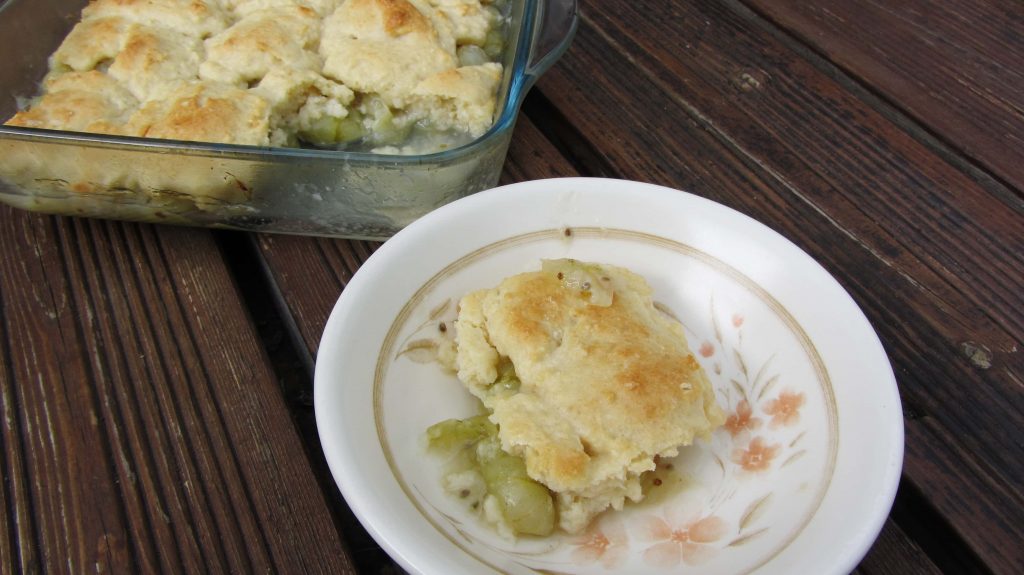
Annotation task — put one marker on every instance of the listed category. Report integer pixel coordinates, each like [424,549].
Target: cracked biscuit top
[606,381]
[333,73]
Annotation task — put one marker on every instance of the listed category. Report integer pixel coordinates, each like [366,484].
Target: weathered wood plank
[956,67]
[143,428]
[706,100]
[896,554]
[824,141]
[532,156]
[310,273]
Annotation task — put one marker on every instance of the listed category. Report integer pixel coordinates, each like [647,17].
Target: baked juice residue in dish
[390,76]
[585,384]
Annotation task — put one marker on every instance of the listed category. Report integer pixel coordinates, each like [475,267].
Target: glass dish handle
[556,25]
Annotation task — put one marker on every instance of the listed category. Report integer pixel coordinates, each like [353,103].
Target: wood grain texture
[309,274]
[705,99]
[896,554]
[532,156]
[143,430]
[955,66]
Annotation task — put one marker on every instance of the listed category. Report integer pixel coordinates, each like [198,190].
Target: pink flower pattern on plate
[707,349]
[742,421]
[687,541]
[605,541]
[757,457]
[785,409]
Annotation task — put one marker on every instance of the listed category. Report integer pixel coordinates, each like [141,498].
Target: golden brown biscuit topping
[366,73]
[607,382]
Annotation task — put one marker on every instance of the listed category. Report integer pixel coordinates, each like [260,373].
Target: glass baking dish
[287,190]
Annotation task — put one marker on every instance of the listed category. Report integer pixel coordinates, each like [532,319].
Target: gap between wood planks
[932,532]
[294,367]
[949,151]
[911,511]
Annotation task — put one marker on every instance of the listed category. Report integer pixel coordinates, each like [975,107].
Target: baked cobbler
[349,74]
[585,384]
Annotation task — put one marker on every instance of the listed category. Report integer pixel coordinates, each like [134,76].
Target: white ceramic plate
[799,480]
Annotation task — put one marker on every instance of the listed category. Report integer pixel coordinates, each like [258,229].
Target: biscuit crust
[331,72]
[208,112]
[80,101]
[605,389]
